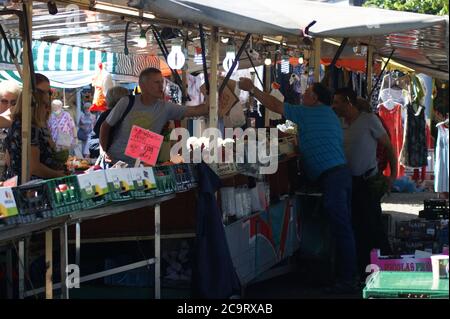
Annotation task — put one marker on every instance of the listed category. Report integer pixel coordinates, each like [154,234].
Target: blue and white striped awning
[56,57]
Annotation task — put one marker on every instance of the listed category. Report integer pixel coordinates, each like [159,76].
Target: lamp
[176,58]
[268,60]
[229,59]
[301,59]
[142,40]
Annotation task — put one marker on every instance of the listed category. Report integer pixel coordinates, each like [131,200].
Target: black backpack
[112,132]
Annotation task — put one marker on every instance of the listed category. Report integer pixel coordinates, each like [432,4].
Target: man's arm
[266,99]
[199,110]
[392,159]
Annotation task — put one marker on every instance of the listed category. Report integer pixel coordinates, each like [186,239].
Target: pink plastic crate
[406,263]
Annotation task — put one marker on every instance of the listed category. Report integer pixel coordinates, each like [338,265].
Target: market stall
[258,237]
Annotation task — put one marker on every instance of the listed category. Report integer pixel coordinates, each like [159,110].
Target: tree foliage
[436,7]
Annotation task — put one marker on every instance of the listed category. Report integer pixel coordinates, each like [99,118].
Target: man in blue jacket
[322,154]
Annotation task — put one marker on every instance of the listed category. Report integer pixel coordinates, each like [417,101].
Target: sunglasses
[6,102]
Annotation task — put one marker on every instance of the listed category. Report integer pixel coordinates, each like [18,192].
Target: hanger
[443,123]
[389,104]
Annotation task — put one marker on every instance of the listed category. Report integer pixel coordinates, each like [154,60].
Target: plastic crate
[144,182]
[120,184]
[405,285]
[165,180]
[434,209]
[194,175]
[9,214]
[33,201]
[94,189]
[183,177]
[65,195]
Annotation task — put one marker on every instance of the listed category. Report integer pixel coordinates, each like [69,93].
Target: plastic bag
[228,198]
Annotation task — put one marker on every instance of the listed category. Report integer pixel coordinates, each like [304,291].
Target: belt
[366,175]
[331,170]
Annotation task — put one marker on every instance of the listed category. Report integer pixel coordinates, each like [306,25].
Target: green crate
[97,195]
[117,191]
[142,189]
[165,180]
[33,202]
[405,284]
[65,194]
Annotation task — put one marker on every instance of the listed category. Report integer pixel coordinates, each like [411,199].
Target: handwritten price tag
[144,145]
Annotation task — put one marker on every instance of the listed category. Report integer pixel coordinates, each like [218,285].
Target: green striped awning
[56,57]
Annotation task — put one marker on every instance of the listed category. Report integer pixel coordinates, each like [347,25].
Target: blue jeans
[336,186]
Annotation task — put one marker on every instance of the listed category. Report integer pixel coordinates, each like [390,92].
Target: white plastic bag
[228,198]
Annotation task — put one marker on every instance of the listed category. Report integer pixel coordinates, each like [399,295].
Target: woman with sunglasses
[42,145]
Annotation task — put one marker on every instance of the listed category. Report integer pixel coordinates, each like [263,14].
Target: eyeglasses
[8,102]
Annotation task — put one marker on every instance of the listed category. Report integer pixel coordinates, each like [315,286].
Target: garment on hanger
[441,169]
[193,90]
[414,152]
[392,118]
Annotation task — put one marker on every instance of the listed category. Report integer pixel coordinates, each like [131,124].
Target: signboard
[144,145]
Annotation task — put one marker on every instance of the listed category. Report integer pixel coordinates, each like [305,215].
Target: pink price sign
[144,145]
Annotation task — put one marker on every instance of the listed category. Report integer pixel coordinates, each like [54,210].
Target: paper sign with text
[144,145]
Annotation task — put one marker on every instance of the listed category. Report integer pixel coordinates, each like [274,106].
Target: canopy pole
[267,80]
[317,46]
[369,69]
[381,73]
[205,67]
[233,66]
[339,52]
[26,92]
[213,92]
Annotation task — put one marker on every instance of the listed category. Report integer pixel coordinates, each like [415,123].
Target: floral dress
[40,137]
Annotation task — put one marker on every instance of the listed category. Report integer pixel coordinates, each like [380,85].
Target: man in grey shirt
[362,133]
[149,112]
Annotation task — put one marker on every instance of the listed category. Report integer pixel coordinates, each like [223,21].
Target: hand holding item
[246,84]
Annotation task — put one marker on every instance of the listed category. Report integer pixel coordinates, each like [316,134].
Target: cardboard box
[8,207]
[143,178]
[119,180]
[93,184]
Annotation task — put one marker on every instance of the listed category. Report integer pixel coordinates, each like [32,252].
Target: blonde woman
[42,164]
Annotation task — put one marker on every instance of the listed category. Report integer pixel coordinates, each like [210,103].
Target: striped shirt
[320,137]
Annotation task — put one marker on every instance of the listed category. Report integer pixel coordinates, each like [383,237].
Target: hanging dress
[392,118]
[441,169]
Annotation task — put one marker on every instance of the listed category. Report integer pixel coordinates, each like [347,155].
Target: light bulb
[224,39]
[142,41]
[228,61]
[267,61]
[285,64]
[176,58]
[300,59]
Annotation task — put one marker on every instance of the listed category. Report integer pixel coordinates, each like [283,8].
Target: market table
[405,284]
[19,232]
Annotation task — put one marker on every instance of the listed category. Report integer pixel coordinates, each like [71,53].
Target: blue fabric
[320,137]
[213,275]
[337,198]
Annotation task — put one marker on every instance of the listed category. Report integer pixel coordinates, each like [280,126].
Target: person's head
[42,83]
[57,106]
[363,105]
[40,111]
[9,92]
[343,101]
[317,94]
[114,94]
[151,83]
[86,107]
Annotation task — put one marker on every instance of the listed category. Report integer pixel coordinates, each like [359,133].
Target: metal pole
[157,251]
[369,68]
[205,67]
[9,273]
[267,78]
[21,269]
[63,261]
[213,93]
[233,66]
[339,52]
[254,68]
[381,73]
[48,264]
[77,243]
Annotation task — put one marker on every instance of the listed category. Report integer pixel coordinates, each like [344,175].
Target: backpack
[113,129]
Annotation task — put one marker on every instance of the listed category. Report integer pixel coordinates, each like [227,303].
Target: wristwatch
[252,91]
